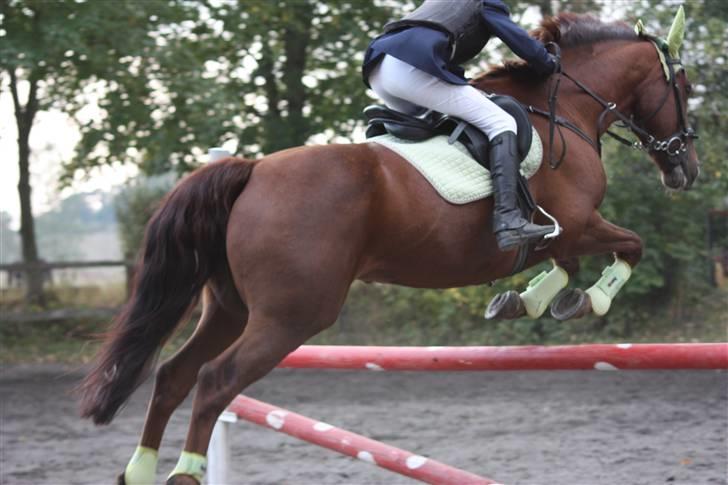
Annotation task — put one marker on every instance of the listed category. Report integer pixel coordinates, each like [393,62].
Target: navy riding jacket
[428,49]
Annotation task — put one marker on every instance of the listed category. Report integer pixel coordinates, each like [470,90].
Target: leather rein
[675,145]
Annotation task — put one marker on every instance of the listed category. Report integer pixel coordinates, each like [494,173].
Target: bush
[135,205]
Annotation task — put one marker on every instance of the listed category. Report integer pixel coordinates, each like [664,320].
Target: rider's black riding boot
[510,228]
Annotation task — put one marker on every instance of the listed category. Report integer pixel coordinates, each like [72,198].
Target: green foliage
[135,205]
[79,52]
[261,75]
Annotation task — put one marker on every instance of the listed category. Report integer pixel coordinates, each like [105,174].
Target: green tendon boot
[510,228]
[192,464]
[142,467]
[542,289]
[604,290]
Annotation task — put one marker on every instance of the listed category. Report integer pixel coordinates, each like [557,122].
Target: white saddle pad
[456,176]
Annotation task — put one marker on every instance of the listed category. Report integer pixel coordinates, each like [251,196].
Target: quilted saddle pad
[456,176]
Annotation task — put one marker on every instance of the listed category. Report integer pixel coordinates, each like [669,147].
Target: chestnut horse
[273,245]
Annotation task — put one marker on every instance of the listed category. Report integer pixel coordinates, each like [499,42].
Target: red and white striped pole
[564,357]
[352,444]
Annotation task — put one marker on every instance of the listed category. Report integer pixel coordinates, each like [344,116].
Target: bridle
[674,146]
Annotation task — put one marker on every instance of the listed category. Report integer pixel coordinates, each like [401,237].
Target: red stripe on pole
[565,357]
[352,444]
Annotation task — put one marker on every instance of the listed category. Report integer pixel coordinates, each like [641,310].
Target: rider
[416,63]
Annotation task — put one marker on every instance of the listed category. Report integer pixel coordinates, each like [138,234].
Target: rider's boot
[510,228]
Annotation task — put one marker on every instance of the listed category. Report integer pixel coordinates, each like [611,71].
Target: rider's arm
[498,21]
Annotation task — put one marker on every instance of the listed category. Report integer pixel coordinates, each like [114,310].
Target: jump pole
[351,444]
[522,358]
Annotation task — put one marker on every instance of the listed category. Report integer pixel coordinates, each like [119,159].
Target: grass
[68,342]
[368,319]
[87,296]
[72,341]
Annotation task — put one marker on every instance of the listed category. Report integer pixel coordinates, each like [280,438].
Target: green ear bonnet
[670,46]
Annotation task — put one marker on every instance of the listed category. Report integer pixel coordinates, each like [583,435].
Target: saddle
[428,123]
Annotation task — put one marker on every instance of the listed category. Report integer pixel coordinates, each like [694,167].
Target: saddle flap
[523,122]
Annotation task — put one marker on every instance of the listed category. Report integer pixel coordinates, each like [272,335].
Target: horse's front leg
[600,237]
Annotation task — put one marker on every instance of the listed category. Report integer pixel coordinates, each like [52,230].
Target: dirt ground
[516,427]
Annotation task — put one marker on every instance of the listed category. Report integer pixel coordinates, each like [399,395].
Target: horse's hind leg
[273,331]
[218,327]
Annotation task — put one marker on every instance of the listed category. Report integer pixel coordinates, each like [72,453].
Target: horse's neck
[614,71]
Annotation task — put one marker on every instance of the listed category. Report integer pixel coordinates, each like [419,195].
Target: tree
[552,7]
[134,206]
[264,75]
[57,50]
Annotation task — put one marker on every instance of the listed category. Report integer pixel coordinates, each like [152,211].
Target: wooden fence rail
[45,266]
[58,314]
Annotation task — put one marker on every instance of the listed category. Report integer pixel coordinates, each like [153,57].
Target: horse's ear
[639,28]
[677,33]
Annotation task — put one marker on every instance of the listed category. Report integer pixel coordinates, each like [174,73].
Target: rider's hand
[555,62]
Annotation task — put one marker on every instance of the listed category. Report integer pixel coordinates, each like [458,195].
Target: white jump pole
[218,454]
[217,153]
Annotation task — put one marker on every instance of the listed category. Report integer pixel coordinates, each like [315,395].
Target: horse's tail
[183,247]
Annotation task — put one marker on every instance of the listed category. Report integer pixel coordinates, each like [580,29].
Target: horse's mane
[566,30]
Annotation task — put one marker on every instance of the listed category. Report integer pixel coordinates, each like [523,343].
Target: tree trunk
[285,124]
[296,40]
[545,6]
[24,117]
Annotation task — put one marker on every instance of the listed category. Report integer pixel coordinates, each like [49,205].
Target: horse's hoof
[182,480]
[505,306]
[570,303]
[120,480]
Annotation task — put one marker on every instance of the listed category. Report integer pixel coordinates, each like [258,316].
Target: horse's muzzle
[676,179]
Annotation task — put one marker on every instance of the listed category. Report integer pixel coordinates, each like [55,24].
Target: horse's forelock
[573,30]
[549,30]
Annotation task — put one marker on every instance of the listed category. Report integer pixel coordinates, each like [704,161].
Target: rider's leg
[510,228]
[380,82]
[402,84]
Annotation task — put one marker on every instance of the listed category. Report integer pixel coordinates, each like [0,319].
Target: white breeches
[405,88]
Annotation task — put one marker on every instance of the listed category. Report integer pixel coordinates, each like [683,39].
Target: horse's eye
[688,89]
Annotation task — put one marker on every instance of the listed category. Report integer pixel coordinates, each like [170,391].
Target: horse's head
[662,112]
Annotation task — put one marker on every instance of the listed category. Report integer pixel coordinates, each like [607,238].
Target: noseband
[674,146]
